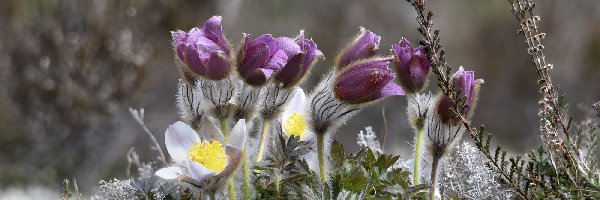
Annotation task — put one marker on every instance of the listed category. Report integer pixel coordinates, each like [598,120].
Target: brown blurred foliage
[70,69]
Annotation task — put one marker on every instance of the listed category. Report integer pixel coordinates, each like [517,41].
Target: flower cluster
[258,83]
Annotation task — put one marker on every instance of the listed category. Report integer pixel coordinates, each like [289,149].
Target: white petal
[198,171]
[238,135]
[169,172]
[209,131]
[179,138]
[296,104]
[312,161]
[309,136]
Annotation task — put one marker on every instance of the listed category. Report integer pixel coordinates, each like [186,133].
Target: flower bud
[299,65]
[258,59]
[365,45]
[412,66]
[465,84]
[204,51]
[366,81]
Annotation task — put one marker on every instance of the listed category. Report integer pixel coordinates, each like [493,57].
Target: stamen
[210,154]
[295,125]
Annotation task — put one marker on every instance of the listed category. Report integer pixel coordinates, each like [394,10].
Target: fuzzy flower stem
[246,171]
[225,130]
[224,127]
[418,151]
[263,140]
[434,166]
[321,156]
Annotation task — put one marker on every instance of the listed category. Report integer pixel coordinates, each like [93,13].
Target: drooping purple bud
[299,65]
[465,83]
[204,51]
[366,81]
[412,66]
[258,59]
[365,45]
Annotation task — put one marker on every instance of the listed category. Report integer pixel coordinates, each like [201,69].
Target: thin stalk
[321,156]
[263,140]
[418,151]
[246,171]
[231,190]
[225,130]
[434,166]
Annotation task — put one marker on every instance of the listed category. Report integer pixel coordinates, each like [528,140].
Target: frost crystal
[368,139]
[467,176]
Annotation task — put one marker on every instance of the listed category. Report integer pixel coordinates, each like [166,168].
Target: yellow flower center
[295,125]
[210,154]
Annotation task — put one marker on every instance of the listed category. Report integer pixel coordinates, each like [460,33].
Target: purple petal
[277,60]
[259,76]
[364,82]
[218,66]
[285,44]
[254,57]
[391,89]
[293,71]
[193,60]
[179,39]
[364,46]
[404,43]
[213,31]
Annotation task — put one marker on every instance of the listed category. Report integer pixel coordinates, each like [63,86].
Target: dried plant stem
[436,55]
[263,140]
[138,115]
[417,159]
[321,156]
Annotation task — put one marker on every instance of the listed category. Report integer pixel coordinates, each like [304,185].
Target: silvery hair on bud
[189,104]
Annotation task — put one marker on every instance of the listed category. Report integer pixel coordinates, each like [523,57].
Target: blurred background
[69,70]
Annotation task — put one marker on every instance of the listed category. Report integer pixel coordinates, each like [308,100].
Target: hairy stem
[225,130]
[263,140]
[231,189]
[434,166]
[246,171]
[417,159]
[321,156]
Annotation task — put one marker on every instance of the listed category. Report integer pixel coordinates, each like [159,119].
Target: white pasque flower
[294,119]
[203,158]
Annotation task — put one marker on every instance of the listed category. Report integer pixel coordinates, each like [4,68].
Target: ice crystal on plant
[467,176]
[368,139]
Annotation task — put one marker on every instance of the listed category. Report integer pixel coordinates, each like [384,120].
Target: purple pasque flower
[204,51]
[298,66]
[365,45]
[366,81]
[468,87]
[412,66]
[260,58]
